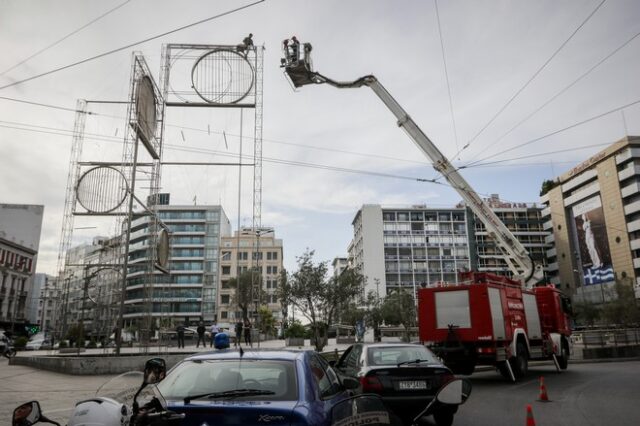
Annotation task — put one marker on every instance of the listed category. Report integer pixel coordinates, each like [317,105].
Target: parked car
[38,344]
[407,376]
[281,387]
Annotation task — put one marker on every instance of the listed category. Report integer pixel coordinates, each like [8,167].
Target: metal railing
[606,337]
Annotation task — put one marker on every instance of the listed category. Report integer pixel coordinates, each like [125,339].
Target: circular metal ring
[102,189]
[222,76]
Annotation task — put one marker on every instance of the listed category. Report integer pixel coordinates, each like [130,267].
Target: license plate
[413,385]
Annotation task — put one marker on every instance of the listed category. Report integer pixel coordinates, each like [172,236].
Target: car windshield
[393,355]
[201,377]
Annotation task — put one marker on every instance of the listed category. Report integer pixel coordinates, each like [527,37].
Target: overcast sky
[492,50]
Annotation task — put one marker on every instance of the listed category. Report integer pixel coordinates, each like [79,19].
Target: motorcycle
[8,350]
[369,409]
[115,404]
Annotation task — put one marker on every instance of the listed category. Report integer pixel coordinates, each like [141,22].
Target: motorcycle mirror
[454,392]
[26,414]
[154,370]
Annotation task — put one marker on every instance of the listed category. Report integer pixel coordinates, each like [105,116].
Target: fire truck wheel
[443,417]
[520,363]
[563,359]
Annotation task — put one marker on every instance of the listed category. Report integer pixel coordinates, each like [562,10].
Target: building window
[243,255]
[226,270]
[226,255]
[224,299]
[224,315]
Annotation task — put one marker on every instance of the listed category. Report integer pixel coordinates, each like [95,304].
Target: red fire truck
[485,318]
[489,319]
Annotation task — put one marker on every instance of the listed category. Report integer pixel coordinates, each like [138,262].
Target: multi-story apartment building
[593,212]
[250,248]
[90,289]
[339,264]
[20,227]
[190,291]
[47,302]
[406,247]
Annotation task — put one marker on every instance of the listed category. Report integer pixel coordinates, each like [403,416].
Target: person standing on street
[200,331]
[247,332]
[238,331]
[214,330]
[180,332]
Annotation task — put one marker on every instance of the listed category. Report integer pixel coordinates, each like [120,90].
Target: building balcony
[635,244]
[582,194]
[627,172]
[547,225]
[633,226]
[552,252]
[552,267]
[629,190]
[632,207]
[549,239]
[579,180]
[545,212]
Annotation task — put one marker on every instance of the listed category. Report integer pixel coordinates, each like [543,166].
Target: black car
[407,377]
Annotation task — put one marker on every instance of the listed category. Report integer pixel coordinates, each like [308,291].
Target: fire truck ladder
[299,69]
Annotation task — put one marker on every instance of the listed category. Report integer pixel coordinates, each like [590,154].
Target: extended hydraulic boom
[298,68]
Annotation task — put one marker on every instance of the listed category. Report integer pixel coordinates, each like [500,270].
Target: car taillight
[370,384]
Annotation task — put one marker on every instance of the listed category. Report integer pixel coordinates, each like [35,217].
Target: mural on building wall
[591,230]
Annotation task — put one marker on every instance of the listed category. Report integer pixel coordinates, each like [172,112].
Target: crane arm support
[516,256]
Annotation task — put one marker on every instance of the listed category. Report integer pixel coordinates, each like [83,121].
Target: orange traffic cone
[543,391]
[530,419]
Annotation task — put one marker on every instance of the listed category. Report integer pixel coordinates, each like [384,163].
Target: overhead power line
[555,132]
[44,49]
[535,74]
[564,90]
[131,45]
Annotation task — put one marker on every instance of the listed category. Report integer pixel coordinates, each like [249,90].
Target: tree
[244,286]
[586,313]
[316,296]
[267,321]
[399,308]
[548,185]
[373,313]
[624,309]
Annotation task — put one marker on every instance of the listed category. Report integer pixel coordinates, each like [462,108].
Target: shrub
[295,330]
[20,342]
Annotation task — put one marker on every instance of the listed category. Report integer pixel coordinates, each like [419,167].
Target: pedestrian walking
[214,330]
[200,330]
[247,333]
[180,333]
[238,331]
[295,49]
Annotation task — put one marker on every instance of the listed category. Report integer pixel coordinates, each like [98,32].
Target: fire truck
[484,319]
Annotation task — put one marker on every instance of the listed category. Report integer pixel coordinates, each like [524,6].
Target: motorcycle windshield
[123,388]
[363,409]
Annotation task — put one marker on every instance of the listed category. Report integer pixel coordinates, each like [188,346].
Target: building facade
[47,302]
[593,212]
[412,246]
[246,250]
[20,227]
[190,291]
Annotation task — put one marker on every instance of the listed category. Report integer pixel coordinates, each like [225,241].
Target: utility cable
[554,97]
[43,105]
[558,131]
[63,38]
[446,73]
[55,70]
[533,76]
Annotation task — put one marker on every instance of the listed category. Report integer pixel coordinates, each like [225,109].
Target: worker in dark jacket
[201,331]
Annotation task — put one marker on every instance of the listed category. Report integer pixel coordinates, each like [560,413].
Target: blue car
[274,387]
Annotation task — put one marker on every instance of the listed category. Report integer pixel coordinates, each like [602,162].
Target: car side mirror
[26,414]
[454,392]
[350,383]
[154,370]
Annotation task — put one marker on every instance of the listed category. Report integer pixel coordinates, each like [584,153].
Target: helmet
[100,412]
[221,341]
